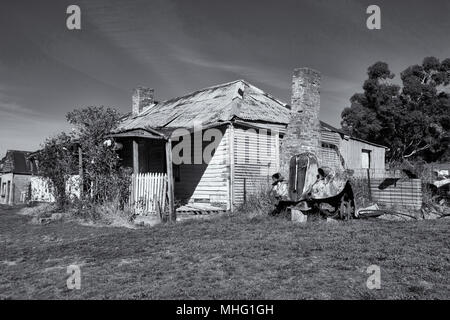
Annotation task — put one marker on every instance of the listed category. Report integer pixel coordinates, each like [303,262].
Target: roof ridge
[220,99]
[15,150]
[193,93]
[268,95]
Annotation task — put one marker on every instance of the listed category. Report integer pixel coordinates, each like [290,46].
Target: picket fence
[148,193]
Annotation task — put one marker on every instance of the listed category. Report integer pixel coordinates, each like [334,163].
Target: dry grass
[111,214]
[226,258]
[38,210]
[107,214]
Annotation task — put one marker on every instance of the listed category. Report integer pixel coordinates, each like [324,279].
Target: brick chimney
[142,97]
[303,130]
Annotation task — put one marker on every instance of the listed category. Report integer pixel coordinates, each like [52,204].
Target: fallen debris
[366,210]
[298,216]
[434,211]
[375,211]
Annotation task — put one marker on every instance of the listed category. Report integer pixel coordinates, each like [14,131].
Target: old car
[322,190]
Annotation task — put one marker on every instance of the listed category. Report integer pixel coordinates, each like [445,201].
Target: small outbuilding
[15,175]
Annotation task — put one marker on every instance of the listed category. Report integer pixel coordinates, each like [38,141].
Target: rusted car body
[319,189]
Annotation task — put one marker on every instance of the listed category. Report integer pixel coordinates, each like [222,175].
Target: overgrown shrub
[105,213]
[114,186]
[258,202]
[57,162]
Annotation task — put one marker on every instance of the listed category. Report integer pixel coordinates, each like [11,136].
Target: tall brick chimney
[142,97]
[303,131]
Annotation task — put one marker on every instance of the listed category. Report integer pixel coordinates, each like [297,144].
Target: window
[329,146]
[365,159]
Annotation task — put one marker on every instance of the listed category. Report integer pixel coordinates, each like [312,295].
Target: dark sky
[180,46]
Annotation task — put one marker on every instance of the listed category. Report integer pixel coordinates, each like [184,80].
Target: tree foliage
[103,178]
[57,162]
[413,120]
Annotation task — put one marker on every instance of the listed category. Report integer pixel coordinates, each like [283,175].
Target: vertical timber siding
[351,151]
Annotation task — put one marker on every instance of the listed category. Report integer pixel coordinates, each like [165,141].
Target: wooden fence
[148,193]
[397,192]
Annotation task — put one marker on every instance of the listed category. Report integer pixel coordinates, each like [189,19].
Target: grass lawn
[225,258]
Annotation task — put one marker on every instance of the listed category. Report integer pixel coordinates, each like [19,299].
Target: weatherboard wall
[255,158]
[205,182]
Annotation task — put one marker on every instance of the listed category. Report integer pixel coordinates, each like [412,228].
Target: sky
[179,46]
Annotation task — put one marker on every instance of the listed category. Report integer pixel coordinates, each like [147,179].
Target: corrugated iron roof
[212,106]
[343,133]
[221,103]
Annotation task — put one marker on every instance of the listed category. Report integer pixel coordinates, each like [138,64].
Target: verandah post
[135,157]
[170,186]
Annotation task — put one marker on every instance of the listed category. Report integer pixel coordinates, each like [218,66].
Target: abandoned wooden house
[15,175]
[221,143]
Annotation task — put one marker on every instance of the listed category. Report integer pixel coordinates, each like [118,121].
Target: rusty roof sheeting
[221,103]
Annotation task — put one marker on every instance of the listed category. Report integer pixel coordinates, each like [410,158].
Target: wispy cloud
[13,109]
[253,71]
[22,127]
